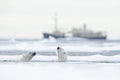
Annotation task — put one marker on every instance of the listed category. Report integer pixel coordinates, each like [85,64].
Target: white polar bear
[62,56]
[27,56]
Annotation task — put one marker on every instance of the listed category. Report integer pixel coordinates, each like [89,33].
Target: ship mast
[56,21]
[84,27]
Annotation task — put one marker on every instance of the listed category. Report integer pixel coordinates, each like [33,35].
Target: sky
[29,18]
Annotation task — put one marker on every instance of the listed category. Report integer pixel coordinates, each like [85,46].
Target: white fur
[62,56]
[26,57]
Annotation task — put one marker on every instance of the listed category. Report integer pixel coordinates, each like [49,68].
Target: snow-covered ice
[59,71]
[48,68]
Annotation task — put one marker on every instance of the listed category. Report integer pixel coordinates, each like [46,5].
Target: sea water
[87,59]
[48,47]
[73,47]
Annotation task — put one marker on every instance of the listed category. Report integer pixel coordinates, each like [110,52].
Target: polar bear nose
[58,48]
[33,54]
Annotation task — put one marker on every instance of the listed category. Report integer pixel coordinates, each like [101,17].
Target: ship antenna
[84,27]
[56,21]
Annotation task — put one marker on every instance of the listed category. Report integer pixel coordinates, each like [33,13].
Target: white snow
[59,71]
[70,58]
[47,68]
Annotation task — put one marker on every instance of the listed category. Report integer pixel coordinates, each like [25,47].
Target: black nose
[58,48]
[33,54]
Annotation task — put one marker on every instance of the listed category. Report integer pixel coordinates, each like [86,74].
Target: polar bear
[62,56]
[27,56]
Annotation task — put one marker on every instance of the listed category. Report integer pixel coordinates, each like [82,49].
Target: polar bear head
[27,56]
[62,56]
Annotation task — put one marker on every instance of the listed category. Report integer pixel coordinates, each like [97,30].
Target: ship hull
[47,35]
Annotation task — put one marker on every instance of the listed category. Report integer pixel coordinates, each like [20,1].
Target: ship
[76,33]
